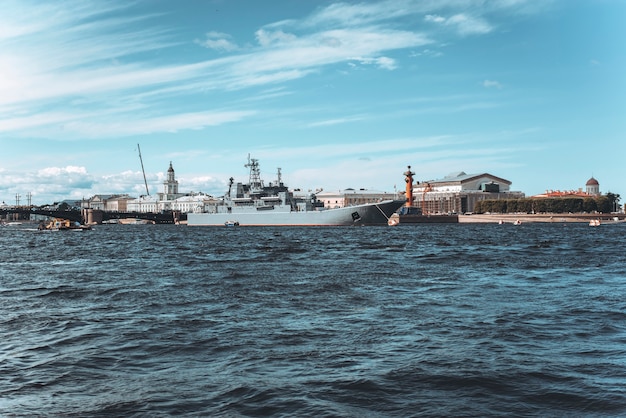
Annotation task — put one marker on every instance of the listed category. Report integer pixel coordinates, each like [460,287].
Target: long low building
[350,197]
[459,192]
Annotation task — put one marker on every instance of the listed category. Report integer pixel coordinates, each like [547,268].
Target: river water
[415,320]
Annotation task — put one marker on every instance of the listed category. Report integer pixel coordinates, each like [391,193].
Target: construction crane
[143,171]
[427,188]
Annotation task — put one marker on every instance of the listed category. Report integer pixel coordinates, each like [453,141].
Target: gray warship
[254,204]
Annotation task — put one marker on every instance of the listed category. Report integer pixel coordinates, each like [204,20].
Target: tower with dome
[592,187]
[170,185]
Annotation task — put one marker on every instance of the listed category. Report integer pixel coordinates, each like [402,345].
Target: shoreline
[543,217]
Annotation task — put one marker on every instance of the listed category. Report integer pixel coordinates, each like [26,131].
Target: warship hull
[366,214]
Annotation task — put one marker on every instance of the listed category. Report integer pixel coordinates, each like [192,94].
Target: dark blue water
[421,320]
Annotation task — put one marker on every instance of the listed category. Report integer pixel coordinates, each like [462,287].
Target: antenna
[255,174]
[143,171]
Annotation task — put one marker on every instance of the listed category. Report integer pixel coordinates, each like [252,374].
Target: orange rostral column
[409,186]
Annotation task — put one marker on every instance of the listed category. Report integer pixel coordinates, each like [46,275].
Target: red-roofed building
[592,189]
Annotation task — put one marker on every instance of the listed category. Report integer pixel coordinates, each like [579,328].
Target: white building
[459,192]
[108,203]
[193,202]
[144,204]
[169,200]
[592,187]
[349,197]
[170,186]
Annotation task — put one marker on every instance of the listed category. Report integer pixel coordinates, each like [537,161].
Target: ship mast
[255,174]
[143,171]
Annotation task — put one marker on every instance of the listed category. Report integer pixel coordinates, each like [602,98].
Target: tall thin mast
[143,171]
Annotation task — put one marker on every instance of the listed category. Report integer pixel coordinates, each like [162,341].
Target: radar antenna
[255,174]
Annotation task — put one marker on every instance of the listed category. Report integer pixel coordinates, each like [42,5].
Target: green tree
[614,199]
[541,205]
[604,204]
[589,205]
[573,205]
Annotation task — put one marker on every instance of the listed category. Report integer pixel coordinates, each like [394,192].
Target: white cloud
[427,52]
[468,25]
[386,63]
[89,63]
[337,121]
[382,62]
[144,125]
[58,171]
[266,38]
[365,13]
[462,23]
[218,41]
[492,84]
[82,61]
[434,18]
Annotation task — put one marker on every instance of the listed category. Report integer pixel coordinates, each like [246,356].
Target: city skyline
[338,95]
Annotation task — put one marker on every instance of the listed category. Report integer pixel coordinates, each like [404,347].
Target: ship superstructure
[255,204]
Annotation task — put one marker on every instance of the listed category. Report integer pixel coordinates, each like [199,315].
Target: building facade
[170,186]
[169,200]
[108,203]
[459,192]
[350,197]
[592,189]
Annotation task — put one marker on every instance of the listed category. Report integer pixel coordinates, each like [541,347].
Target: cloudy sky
[337,94]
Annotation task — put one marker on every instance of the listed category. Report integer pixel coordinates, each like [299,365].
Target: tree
[614,199]
[604,205]
[589,205]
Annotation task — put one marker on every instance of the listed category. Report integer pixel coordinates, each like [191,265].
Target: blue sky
[336,94]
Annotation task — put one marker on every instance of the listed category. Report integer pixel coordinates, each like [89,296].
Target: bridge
[99,216]
[25,212]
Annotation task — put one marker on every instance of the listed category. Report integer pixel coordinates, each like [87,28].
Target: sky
[337,94]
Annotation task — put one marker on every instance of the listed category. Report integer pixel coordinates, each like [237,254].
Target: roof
[592,182]
[462,177]
[194,198]
[350,191]
[562,193]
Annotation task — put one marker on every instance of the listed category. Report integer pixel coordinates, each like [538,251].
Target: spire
[170,185]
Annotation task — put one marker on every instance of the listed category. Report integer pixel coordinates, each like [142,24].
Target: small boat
[135,221]
[594,222]
[58,224]
[517,222]
[394,220]
[231,223]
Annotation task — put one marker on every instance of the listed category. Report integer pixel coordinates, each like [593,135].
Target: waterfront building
[170,199]
[193,202]
[592,189]
[459,192]
[170,186]
[107,203]
[349,197]
[144,204]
